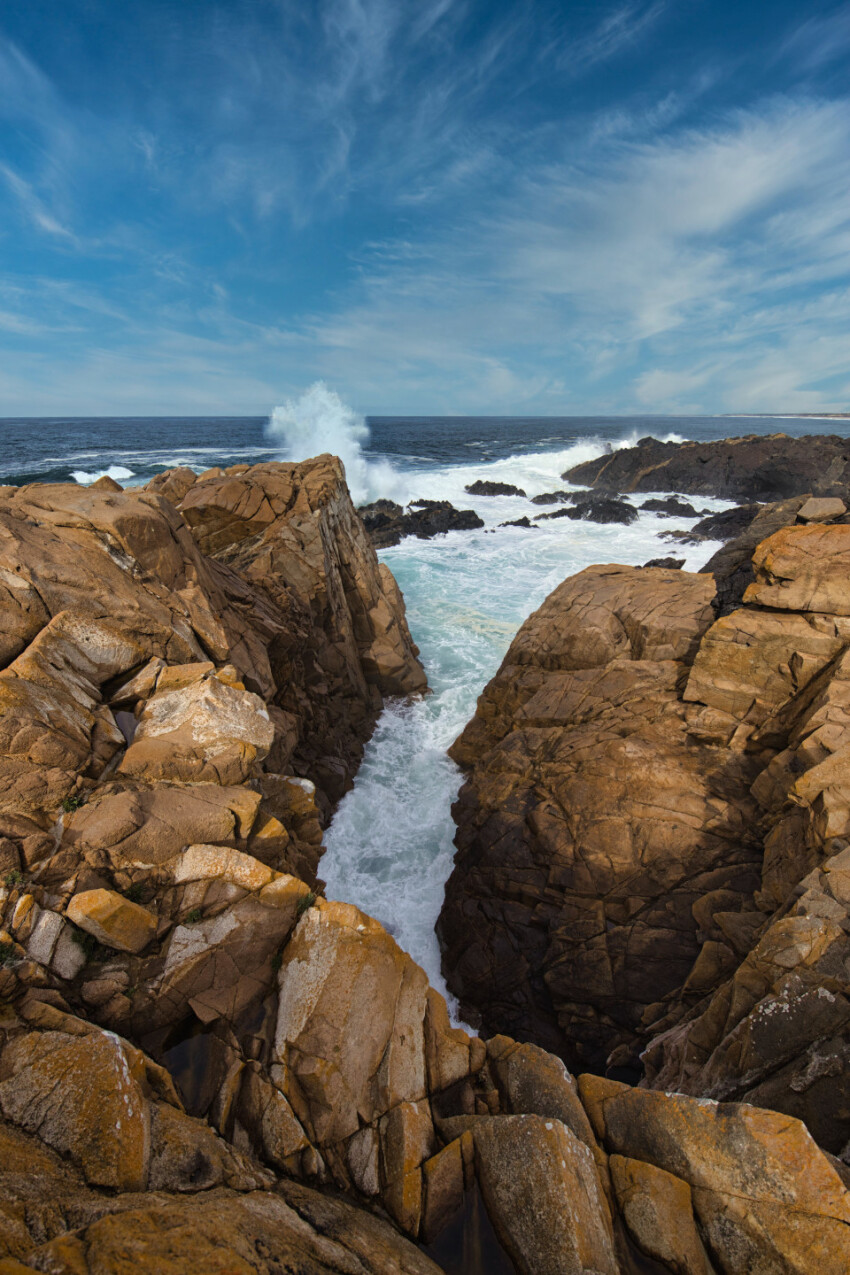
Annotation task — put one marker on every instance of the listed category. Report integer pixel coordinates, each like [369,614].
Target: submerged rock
[670,564]
[596,509]
[485,487]
[387,523]
[670,507]
[550,498]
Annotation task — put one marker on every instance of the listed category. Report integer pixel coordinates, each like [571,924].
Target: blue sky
[451,206]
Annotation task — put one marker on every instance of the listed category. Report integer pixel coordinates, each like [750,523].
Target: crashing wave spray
[319,422]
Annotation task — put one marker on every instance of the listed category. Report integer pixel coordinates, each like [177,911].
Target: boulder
[113,920]
[822,509]
[543,1195]
[205,731]
[762,1190]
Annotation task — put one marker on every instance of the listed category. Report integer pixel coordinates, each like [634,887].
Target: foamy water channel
[390,844]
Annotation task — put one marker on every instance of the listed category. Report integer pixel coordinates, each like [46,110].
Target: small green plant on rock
[70,804]
[306,901]
[8,955]
[193,915]
[134,892]
[13,878]
[93,950]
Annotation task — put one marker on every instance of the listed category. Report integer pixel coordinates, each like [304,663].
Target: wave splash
[119,473]
[319,421]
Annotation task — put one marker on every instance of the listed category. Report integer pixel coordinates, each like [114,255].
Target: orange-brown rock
[112,920]
[763,1194]
[107,596]
[592,822]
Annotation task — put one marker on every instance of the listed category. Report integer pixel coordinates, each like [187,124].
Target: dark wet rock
[756,467]
[387,523]
[596,509]
[725,525]
[520,522]
[670,507]
[550,498]
[670,564]
[482,487]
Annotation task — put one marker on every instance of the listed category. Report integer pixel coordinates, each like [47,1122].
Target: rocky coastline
[206,1065]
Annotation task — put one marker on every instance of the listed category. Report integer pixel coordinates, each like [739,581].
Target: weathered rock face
[591,823]
[756,467]
[352,1079]
[117,628]
[651,853]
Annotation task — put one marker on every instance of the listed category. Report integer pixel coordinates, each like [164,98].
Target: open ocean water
[390,844]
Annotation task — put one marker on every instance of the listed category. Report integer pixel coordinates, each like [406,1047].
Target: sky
[434,206]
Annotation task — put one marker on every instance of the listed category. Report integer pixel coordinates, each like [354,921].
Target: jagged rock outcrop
[670,834]
[284,644]
[755,467]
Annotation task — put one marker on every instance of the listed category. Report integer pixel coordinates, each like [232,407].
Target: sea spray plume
[319,421]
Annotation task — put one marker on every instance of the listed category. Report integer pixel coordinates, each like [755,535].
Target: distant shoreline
[786,416]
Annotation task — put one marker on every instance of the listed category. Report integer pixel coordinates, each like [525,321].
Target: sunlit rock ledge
[205,1065]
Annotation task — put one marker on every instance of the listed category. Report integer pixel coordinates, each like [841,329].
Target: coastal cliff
[205,1065]
[655,805]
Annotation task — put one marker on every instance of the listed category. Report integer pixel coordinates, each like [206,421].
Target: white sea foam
[319,422]
[120,474]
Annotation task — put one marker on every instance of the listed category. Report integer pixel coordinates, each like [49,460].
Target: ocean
[389,847]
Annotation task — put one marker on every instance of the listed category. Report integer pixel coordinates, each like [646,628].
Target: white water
[119,473]
[389,847]
[319,422]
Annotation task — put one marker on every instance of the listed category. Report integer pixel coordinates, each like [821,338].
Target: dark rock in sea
[551,498]
[520,522]
[725,525]
[581,497]
[596,509]
[669,507]
[671,564]
[387,523]
[487,488]
[756,467]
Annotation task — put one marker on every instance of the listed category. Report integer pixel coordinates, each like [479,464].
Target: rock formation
[595,509]
[756,467]
[653,832]
[388,523]
[204,1064]
[485,487]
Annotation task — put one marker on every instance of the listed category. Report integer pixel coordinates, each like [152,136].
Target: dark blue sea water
[55,449]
